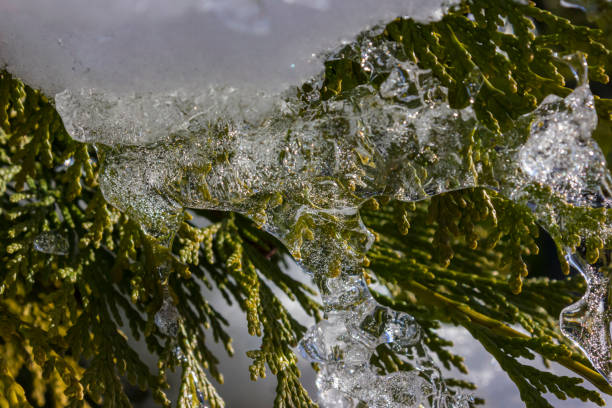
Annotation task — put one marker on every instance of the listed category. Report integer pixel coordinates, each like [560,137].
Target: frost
[301,167]
[51,242]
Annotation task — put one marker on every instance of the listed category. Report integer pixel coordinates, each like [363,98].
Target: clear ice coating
[587,322]
[51,242]
[303,166]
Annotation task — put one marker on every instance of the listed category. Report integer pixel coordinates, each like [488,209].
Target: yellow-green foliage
[64,318]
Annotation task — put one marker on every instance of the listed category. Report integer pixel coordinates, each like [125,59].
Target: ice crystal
[303,166]
[52,242]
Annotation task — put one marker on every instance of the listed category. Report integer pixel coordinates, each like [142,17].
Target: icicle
[304,166]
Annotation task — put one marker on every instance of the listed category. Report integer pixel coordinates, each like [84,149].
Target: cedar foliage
[457,258]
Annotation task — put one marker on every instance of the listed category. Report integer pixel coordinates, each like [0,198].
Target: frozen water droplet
[52,242]
[473,83]
[178,353]
[67,163]
[167,318]
[197,394]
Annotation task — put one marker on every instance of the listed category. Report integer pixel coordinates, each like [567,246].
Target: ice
[51,242]
[587,322]
[301,167]
[167,317]
[294,170]
[90,115]
[130,179]
[560,152]
[395,390]
[343,345]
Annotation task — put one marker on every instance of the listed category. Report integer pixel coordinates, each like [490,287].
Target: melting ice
[301,167]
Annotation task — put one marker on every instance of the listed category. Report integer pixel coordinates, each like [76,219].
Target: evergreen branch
[58,309]
[459,312]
